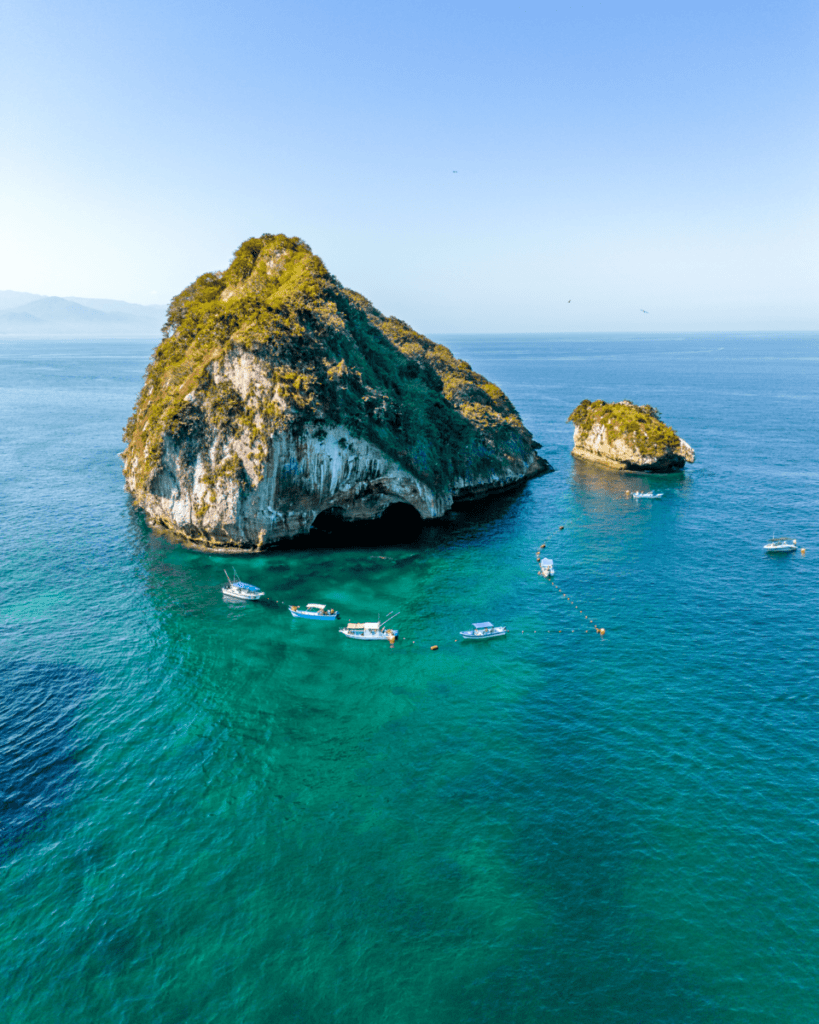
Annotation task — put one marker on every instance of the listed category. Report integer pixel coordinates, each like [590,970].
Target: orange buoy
[561,527]
[434,647]
[802,551]
[602,631]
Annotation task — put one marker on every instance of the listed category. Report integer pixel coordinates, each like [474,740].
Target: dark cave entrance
[399,523]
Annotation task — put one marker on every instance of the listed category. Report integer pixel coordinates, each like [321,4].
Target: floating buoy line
[436,646]
[548,577]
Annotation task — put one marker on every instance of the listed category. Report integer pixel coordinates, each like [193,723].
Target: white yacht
[241,591]
[370,630]
[781,544]
[483,631]
[547,567]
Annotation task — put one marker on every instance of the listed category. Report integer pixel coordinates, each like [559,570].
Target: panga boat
[370,630]
[648,494]
[313,611]
[781,544]
[242,591]
[547,567]
[483,631]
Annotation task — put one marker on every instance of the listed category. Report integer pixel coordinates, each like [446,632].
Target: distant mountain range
[49,316]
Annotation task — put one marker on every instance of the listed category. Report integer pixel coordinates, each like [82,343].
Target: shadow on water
[39,749]
[401,525]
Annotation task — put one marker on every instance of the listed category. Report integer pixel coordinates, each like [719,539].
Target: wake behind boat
[483,631]
[370,630]
[781,544]
[313,611]
[648,494]
[241,591]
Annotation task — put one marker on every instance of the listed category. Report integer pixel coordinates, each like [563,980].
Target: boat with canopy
[371,630]
[241,591]
[483,631]
[313,611]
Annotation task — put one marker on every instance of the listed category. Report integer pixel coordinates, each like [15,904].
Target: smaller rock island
[625,436]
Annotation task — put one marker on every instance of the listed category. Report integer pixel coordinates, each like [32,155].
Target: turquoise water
[215,812]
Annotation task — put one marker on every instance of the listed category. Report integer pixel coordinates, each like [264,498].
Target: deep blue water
[217,813]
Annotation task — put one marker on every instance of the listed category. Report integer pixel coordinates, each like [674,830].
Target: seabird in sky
[570,300]
[643,310]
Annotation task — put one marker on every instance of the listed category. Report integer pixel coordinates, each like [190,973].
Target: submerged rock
[625,436]
[277,395]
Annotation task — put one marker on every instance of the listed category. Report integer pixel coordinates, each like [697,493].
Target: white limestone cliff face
[300,478]
[595,445]
[276,486]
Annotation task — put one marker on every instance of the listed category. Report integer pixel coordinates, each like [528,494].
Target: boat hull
[470,635]
[241,596]
[327,616]
[391,635]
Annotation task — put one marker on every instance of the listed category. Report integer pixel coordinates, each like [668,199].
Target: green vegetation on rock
[327,358]
[639,426]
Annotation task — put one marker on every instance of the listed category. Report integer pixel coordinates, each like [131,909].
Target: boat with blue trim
[241,591]
[371,630]
[312,611]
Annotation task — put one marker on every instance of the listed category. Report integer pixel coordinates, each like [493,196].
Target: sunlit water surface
[216,813]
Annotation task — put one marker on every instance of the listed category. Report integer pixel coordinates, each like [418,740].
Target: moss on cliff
[639,426]
[328,358]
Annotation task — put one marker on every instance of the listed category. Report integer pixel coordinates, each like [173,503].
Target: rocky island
[277,396]
[625,436]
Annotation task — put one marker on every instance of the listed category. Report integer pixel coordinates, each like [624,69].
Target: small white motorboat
[547,567]
[313,611]
[483,631]
[648,494]
[241,591]
[781,544]
[370,630]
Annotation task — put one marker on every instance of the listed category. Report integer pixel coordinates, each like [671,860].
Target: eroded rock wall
[300,478]
[594,445]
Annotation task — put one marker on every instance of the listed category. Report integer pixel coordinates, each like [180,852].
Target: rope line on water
[598,629]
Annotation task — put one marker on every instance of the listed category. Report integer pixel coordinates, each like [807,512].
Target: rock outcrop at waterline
[277,394]
[625,436]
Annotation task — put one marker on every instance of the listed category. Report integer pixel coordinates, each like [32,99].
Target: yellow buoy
[434,647]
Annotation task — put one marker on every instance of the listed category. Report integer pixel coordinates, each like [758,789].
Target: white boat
[313,611]
[781,544]
[483,631]
[241,591]
[370,630]
[547,567]
[648,494]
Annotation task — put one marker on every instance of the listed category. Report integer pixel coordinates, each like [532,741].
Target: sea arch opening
[399,523]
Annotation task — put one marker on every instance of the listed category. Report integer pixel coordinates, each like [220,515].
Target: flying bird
[643,310]
[570,300]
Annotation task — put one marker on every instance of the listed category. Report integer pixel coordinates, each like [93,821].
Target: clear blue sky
[660,155]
